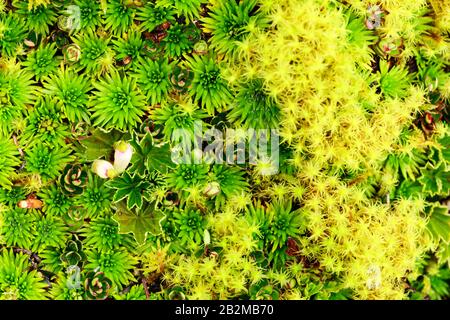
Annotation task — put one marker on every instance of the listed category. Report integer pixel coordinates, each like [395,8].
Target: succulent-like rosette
[97,286]
[73,179]
[17,228]
[152,16]
[190,225]
[73,253]
[188,8]
[119,16]
[90,16]
[55,201]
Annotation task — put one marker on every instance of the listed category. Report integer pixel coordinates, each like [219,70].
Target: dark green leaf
[100,143]
[439,223]
[131,187]
[159,159]
[149,156]
[435,179]
[139,222]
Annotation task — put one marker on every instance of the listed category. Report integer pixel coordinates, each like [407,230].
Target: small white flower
[122,156]
[104,169]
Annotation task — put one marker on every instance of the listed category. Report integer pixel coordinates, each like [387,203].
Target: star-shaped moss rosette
[118,102]
[9,160]
[139,222]
[231,22]
[18,280]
